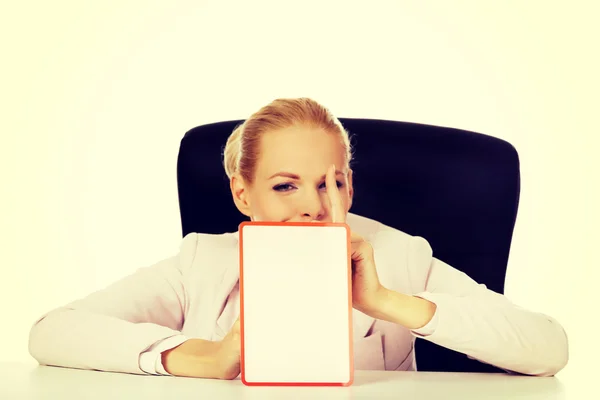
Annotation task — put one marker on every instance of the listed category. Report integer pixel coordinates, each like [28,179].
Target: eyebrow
[297,177]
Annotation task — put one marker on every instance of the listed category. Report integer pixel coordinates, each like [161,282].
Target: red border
[350,350]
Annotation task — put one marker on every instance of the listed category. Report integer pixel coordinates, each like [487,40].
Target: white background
[95,96]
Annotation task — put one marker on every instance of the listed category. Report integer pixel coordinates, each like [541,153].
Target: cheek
[271,207]
[345,193]
[345,199]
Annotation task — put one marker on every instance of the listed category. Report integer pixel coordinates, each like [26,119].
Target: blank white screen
[296,317]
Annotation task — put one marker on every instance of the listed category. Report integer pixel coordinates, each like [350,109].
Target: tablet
[295,304]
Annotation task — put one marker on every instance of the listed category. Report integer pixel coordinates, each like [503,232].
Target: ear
[239,191]
[350,189]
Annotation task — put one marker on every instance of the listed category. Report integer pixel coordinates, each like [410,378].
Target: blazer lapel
[229,281]
[215,277]
[361,323]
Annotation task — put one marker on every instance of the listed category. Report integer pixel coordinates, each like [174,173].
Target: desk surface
[23,381]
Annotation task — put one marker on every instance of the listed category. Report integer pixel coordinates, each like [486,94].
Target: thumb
[236,326]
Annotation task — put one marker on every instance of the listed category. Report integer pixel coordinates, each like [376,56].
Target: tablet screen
[296,306]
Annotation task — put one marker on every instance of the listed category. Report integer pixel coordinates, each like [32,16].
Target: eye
[324,185]
[284,187]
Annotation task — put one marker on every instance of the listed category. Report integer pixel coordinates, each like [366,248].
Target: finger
[337,206]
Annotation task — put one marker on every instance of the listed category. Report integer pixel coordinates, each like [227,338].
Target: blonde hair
[242,148]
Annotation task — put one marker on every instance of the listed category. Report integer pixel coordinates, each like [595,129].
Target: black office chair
[457,189]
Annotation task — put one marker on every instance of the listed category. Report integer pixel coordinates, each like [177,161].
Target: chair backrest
[457,189]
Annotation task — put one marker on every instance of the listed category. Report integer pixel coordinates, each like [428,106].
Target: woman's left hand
[367,291]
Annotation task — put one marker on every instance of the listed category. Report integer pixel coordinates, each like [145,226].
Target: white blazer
[194,295]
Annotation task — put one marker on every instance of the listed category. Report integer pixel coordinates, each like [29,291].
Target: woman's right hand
[200,358]
[229,353]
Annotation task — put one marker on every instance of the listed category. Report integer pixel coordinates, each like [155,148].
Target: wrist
[193,358]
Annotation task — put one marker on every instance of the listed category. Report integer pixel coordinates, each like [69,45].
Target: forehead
[299,149]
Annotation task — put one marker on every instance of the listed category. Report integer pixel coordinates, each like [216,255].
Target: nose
[312,206]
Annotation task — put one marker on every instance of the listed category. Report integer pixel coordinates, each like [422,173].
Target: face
[289,181]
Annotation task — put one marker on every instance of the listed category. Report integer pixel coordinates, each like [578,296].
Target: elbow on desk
[550,369]
[42,338]
[555,357]
[38,343]
[560,354]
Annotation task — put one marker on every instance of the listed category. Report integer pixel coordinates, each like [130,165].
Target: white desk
[22,381]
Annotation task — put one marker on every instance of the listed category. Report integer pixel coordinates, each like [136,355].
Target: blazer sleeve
[483,324]
[110,328]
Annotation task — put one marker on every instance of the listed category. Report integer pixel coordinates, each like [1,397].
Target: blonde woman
[290,161]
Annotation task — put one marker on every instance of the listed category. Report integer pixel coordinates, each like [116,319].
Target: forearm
[409,311]
[486,327]
[84,340]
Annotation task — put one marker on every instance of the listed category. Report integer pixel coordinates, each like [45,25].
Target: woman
[290,161]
